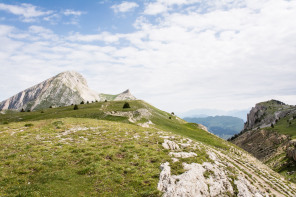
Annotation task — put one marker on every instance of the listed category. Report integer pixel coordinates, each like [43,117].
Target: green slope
[93,152]
[161,119]
[85,152]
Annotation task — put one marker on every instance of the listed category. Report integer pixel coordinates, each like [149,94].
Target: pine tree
[126,105]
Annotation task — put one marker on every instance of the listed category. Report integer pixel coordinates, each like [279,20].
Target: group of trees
[126,105]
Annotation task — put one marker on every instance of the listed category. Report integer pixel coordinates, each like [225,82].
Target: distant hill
[222,126]
[242,114]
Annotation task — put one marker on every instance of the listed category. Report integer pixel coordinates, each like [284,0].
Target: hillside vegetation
[101,149]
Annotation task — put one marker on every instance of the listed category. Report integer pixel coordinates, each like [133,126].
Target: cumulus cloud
[69,12]
[28,12]
[162,6]
[124,7]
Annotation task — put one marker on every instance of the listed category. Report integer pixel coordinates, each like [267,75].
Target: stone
[167,144]
[182,154]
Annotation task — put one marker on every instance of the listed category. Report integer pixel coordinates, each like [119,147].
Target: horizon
[176,55]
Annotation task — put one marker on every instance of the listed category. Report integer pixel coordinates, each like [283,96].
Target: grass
[85,152]
[102,158]
[98,111]
[286,126]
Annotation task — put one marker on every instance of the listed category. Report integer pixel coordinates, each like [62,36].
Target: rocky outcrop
[224,173]
[262,134]
[167,144]
[291,150]
[133,116]
[193,182]
[126,95]
[266,113]
[63,89]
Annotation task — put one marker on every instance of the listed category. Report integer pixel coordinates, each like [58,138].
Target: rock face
[266,113]
[232,173]
[262,138]
[63,89]
[126,95]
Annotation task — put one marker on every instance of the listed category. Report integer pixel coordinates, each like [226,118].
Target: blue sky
[176,54]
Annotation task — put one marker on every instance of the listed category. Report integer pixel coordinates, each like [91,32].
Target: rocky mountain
[63,89]
[103,149]
[126,95]
[269,134]
[222,126]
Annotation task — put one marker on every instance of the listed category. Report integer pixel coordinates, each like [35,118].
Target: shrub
[29,125]
[105,100]
[126,105]
[75,107]
[22,110]
[28,110]
[173,113]
[272,126]
[50,106]
[170,117]
[87,102]
[82,102]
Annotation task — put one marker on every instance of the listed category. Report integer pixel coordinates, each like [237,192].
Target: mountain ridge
[63,89]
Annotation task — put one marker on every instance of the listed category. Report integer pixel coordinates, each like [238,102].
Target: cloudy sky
[175,54]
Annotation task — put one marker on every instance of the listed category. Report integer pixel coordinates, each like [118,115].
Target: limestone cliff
[268,135]
[63,89]
[266,113]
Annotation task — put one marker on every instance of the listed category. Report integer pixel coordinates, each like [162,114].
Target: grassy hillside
[286,126]
[162,120]
[66,152]
[102,149]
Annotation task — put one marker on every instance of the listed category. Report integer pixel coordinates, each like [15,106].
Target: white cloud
[162,6]
[104,36]
[69,12]
[220,58]
[27,11]
[124,7]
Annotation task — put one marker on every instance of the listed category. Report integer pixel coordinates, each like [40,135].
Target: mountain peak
[126,92]
[126,95]
[66,88]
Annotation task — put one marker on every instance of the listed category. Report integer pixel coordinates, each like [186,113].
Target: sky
[178,55]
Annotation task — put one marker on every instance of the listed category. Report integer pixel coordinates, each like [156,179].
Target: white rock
[183,154]
[193,183]
[245,189]
[167,144]
[184,145]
